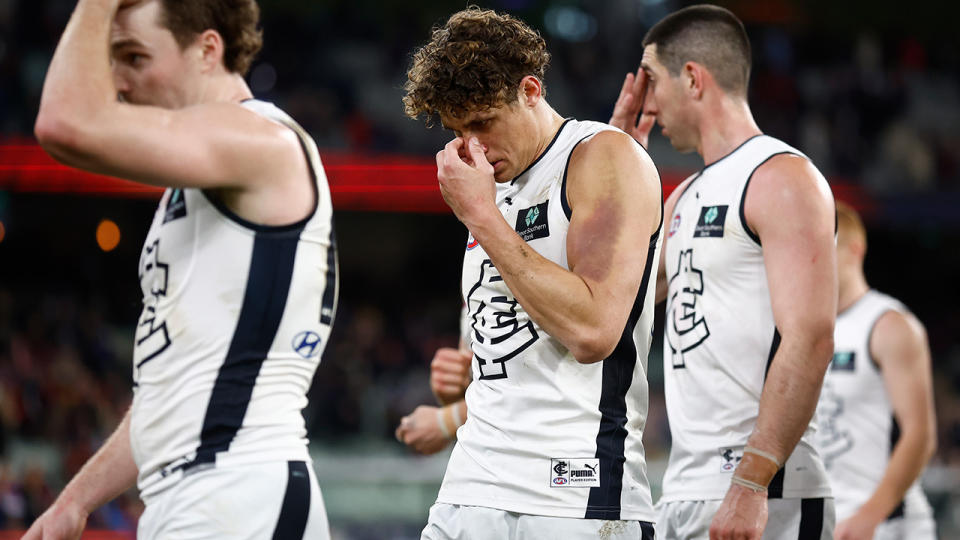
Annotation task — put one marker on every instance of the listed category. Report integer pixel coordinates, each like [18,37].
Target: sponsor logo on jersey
[471,242]
[730,457]
[710,224]
[674,226]
[532,222]
[575,472]
[843,361]
[176,206]
[307,344]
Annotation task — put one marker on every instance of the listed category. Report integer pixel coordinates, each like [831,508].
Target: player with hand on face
[238,270]
[749,275]
[558,292]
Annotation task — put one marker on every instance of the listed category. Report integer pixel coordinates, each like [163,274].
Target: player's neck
[549,122]
[853,285]
[728,126]
[225,87]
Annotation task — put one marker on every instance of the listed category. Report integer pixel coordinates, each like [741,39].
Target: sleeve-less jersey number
[152,336]
[497,335]
[686,327]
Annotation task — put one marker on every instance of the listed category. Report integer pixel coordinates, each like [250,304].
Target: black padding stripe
[604,501]
[811,519]
[292,522]
[264,300]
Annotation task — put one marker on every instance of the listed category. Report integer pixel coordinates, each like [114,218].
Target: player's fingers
[455,367]
[478,155]
[640,83]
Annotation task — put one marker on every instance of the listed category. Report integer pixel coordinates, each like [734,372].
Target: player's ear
[693,77]
[531,90]
[211,49]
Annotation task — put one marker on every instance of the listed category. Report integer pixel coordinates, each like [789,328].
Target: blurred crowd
[879,105]
[874,107]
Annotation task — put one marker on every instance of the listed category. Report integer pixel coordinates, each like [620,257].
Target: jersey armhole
[256,227]
[873,324]
[743,196]
[564,202]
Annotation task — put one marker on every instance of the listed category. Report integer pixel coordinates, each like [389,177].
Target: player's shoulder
[788,183]
[897,326]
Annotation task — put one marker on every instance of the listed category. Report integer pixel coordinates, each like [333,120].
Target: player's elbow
[57,135]
[593,346]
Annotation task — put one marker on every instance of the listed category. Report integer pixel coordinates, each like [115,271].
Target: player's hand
[420,430]
[466,180]
[742,515]
[450,374]
[856,527]
[628,112]
[62,521]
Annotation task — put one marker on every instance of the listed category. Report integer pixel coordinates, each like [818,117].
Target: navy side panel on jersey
[264,300]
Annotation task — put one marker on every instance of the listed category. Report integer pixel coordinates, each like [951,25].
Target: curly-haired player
[565,222]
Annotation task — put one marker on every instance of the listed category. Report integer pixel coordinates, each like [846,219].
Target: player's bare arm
[789,206]
[614,194]
[110,472]
[898,344]
[217,144]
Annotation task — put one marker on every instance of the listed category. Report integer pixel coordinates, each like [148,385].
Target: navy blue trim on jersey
[545,150]
[564,203]
[328,306]
[730,153]
[774,346]
[264,301]
[873,324]
[775,489]
[811,519]
[292,522]
[743,196]
[894,438]
[604,501]
[646,531]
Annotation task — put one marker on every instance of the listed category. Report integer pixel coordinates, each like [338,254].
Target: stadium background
[870,90]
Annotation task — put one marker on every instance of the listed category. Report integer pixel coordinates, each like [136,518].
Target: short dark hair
[235,20]
[475,61]
[708,35]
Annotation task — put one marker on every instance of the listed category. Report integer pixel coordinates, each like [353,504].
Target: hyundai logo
[307,344]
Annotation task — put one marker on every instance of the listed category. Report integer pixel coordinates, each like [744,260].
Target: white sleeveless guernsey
[720,335]
[545,434]
[235,318]
[857,429]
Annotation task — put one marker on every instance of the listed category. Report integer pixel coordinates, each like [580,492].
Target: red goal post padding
[390,183]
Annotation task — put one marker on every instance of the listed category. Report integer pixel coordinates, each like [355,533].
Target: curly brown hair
[235,20]
[474,62]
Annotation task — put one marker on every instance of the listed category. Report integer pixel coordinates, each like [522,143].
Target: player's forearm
[107,474]
[790,395]
[79,83]
[558,300]
[910,455]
